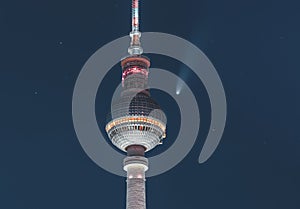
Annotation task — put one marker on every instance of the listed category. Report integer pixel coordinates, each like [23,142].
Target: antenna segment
[135,15]
[135,44]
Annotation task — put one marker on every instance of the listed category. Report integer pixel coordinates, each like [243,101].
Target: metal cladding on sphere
[136,119]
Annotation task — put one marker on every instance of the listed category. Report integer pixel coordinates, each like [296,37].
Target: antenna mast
[135,44]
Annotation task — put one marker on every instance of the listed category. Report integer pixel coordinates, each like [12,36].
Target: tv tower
[137,124]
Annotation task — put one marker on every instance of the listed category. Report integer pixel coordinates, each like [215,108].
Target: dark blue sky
[254,46]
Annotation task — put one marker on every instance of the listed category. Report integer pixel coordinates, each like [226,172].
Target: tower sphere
[136,119]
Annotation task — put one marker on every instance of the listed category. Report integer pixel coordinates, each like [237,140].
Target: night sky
[254,45]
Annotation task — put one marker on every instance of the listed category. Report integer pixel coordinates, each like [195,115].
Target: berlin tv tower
[137,124]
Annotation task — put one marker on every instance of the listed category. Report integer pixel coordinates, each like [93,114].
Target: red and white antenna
[135,44]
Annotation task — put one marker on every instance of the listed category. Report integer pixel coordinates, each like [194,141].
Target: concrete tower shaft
[135,70]
[135,166]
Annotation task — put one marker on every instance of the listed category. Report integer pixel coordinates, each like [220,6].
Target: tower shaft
[135,166]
